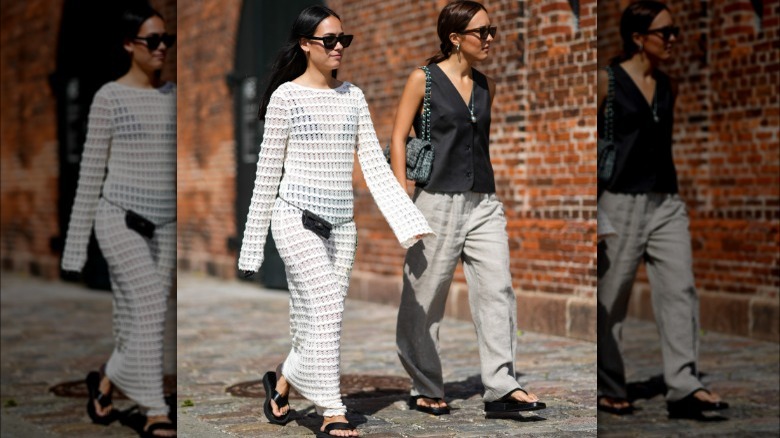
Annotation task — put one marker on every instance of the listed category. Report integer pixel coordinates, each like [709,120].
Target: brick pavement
[232,332]
[229,333]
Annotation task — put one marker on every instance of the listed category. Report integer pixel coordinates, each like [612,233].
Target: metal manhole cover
[78,388]
[352,386]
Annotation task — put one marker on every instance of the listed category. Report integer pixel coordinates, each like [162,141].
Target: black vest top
[461,159]
[644,160]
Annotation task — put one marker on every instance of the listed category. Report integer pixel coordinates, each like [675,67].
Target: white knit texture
[131,141]
[313,134]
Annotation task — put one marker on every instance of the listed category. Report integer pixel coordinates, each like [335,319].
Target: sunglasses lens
[330,41]
[346,40]
[153,41]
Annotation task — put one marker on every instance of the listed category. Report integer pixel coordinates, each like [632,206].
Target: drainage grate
[352,386]
[78,388]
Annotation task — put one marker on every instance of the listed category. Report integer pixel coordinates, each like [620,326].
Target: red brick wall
[28,137]
[206,159]
[543,135]
[28,172]
[727,154]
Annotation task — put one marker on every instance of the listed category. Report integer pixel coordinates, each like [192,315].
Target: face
[660,39]
[149,59]
[471,43]
[322,57]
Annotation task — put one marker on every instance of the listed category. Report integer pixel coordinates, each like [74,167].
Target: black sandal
[163,425]
[427,409]
[269,383]
[104,400]
[691,407]
[628,410]
[334,426]
[506,406]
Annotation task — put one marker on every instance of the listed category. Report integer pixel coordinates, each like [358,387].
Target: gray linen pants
[651,227]
[472,227]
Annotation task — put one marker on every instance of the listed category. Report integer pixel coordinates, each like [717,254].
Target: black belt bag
[314,223]
[138,223]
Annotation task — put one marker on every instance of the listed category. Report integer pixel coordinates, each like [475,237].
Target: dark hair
[453,18]
[637,18]
[134,17]
[131,20]
[291,60]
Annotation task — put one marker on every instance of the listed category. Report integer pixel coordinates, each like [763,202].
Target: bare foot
[283,388]
[105,389]
[707,396]
[338,419]
[160,432]
[522,397]
[614,403]
[431,403]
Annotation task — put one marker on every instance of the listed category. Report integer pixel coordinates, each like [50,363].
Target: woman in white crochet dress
[313,126]
[127,188]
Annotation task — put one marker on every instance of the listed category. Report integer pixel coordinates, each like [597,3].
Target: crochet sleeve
[404,218]
[91,174]
[269,174]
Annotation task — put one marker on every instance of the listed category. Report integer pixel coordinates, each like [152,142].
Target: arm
[269,174]
[408,107]
[404,218]
[92,171]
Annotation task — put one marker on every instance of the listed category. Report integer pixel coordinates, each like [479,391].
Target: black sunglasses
[666,32]
[484,31]
[330,41]
[153,40]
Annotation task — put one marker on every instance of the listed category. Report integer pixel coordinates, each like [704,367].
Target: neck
[458,66]
[641,64]
[136,76]
[314,77]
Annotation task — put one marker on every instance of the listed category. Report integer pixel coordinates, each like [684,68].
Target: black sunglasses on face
[484,31]
[666,32]
[330,41]
[153,40]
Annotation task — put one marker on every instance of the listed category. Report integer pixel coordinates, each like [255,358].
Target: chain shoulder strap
[426,114]
[609,110]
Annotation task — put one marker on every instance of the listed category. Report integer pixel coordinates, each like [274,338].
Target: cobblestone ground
[52,334]
[230,333]
[744,372]
[233,332]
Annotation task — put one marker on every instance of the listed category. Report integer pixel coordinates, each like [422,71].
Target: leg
[621,255]
[675,303]
[136,363]
[316,306]
[428,271]
[491,297]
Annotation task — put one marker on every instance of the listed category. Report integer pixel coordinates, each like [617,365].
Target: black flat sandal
[506,406]
[269,383]
[104,400]
[334,426]
[628,410]
[691,407]
[427,409]
[149,433]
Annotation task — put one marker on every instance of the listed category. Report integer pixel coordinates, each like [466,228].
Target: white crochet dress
[131,141]
[313,134]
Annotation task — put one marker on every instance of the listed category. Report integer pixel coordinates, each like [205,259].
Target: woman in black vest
[649,218]
[460,204]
